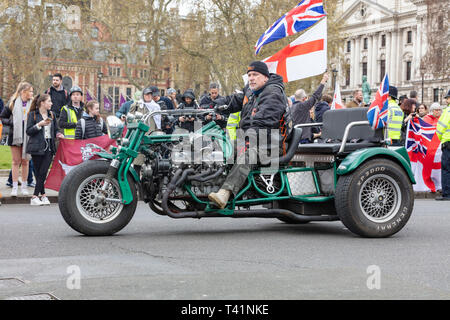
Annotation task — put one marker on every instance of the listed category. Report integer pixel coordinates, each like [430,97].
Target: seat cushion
[333,148]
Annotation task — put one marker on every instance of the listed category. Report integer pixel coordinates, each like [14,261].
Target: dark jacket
[1,105]
[264,108]
[63,117]
[168,103]
[92,128]
[319,110]
[59,98]
[124,109]
[7,121]
[300,111]
[207,103]
[166,121]
[37,145]
[187,125]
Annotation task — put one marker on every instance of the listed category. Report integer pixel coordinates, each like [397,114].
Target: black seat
[334,124]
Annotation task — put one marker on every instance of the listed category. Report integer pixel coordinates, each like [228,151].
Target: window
[436,95]
[116,96]
[349,46]
[364,69]
[382,69]
[128,97]
[441,22]
[408,70]
[383,40]
[94,33]
[110,72]
[409,37]
[49,12]
[117,72]
[366,43]
[347,75]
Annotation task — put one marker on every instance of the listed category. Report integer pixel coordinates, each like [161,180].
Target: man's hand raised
[325,78]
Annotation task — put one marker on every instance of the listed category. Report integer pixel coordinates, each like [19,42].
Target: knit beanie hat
[260,67]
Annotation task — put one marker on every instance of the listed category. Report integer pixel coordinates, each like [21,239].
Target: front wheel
[80,206]
[376,200]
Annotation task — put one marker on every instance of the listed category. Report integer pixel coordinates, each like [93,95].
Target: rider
[262,107]
[71,113]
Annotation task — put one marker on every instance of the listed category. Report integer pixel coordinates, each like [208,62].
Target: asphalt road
[156,257]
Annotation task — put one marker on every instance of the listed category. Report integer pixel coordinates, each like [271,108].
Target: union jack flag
[424,153]
[303,16]
[378,110]
[420,134]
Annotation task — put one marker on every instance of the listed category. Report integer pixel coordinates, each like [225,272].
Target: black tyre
[77,205]
[376,200]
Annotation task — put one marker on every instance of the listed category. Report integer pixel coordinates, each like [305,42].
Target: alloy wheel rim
[380,198]
[86,200]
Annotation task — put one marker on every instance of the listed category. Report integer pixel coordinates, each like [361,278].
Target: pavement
[5,191]
[155,257]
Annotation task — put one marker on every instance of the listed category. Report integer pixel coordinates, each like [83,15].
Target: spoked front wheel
[89,210]
[376,200]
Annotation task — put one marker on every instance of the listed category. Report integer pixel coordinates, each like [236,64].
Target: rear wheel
[81,208]
[376,200]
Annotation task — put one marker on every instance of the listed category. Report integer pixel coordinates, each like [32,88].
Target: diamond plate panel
[301,183]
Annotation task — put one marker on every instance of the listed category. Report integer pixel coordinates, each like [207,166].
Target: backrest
[335,122]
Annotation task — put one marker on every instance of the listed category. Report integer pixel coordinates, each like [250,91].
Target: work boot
[220,198]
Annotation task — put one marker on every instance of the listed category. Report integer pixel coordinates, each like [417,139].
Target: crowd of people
[37,122]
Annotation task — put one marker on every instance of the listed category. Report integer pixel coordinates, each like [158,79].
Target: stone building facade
[389,36]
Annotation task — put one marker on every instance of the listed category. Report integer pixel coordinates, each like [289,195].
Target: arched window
[67,83]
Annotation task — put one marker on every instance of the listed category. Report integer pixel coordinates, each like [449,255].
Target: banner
[107,104]
[422,144]
[71,153]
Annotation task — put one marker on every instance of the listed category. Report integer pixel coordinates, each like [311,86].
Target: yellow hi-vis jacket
[232,124]
[443,126]
[71,118]
[395,120]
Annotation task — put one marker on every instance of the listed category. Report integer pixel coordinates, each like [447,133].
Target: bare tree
[436,61]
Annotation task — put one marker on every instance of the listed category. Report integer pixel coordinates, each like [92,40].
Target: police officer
[447,98]
[443,133]
[395,117]
[233,124]
[71,113]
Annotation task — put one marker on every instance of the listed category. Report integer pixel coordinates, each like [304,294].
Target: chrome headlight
[115,127]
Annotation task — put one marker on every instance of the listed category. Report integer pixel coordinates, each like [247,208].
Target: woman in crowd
[172,93]
[42,129]
[409,112]
[91,124]
[422,111]
[435,114]
[14,116]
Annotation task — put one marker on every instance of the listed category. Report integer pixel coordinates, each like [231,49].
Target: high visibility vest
[232,124]
[443,126]
[395,120]
[71,118]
